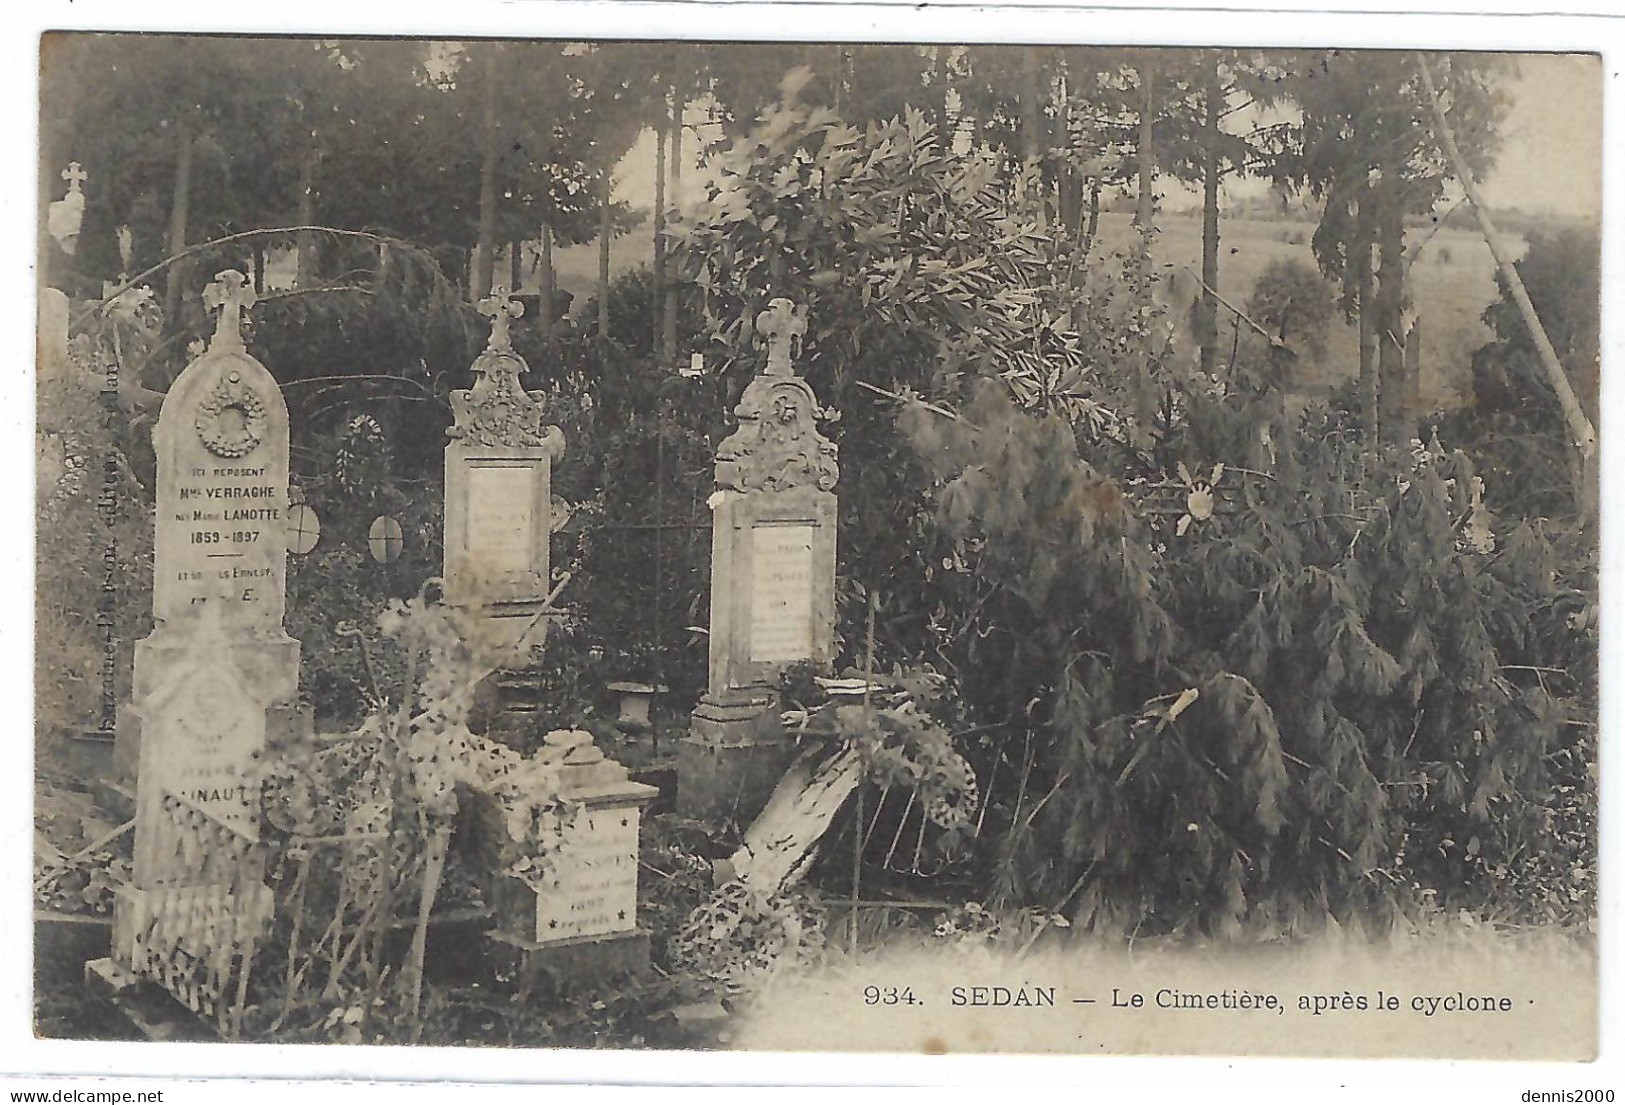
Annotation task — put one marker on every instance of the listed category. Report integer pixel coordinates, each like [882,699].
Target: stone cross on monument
[75,175]
[781,327]
[231,295]
[500,307]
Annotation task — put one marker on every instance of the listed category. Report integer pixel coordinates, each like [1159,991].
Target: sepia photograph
[817,546]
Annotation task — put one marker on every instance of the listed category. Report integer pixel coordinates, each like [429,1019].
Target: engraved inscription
[594,887]
[501,522]
[781,626]
[211,734]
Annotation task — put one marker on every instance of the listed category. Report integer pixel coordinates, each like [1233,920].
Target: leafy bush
[1295,303]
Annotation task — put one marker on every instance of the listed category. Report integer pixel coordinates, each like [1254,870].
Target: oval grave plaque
[304,530]
[384,539]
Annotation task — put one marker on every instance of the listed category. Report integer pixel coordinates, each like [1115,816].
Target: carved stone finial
[75,175]
[500,307]
[782,326]
[497,411]
[777,446]
[231,294]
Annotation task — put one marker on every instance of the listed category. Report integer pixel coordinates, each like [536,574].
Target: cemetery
[883,558]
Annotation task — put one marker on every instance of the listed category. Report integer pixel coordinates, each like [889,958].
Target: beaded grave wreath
[225,437]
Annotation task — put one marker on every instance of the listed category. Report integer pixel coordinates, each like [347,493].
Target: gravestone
[772,577]
[499,487]
[573,916]
[51,357]
[218,672]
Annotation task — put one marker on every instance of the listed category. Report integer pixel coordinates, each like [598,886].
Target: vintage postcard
[818,546]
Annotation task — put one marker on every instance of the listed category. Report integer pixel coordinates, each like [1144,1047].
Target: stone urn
[635,699]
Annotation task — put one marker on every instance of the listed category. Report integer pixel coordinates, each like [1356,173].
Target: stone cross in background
[65,216]
[772,575]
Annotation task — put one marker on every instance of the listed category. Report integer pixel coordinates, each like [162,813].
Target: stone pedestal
[564,964]
[731,759]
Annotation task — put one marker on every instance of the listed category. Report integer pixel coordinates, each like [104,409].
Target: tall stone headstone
[499,485]
[219,669]
[772,564]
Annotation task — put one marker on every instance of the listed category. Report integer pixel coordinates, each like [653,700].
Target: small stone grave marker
[579,919]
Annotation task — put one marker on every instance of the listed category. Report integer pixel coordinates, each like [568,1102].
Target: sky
[1551,157]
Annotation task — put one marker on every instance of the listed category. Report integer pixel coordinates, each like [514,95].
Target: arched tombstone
[772,575]
[219,576]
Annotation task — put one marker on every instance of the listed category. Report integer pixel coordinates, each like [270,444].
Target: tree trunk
[306,249]
[1207,319]
[1413,365]
[380,274]
[1094,216]
[1145,209]
[487,247]
[837,84]
[1364,261]
[657,313]
[673,198]
[1389,330]
[515,265]
[605,193]
[179,212]
[1032,124]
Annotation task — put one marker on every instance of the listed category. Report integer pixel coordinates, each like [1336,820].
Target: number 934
[890,995]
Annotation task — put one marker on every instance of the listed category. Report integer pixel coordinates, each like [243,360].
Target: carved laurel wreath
[211,428]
